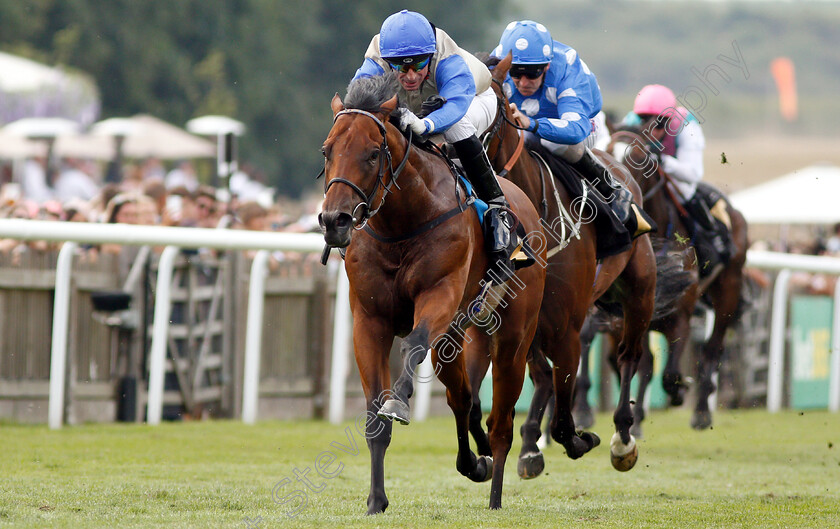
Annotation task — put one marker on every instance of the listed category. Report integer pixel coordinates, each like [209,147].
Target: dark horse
[722,290]
[416,271]
[575,279]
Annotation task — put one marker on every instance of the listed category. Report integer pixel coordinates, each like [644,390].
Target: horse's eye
[374,156]
[323,152]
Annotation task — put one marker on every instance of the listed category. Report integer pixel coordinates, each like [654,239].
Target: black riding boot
[497,221]
[713,250]
[619,197]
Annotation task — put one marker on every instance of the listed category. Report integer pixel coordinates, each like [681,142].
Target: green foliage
[273,65]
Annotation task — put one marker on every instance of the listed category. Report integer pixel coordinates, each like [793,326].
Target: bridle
[495,131]
[385,161]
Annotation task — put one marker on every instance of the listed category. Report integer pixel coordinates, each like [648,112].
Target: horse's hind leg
[582,411]
[565,355]
[639,279]
[677,334]
[644,373]
[725,294]
[531,461]
[453,373]
[508,375]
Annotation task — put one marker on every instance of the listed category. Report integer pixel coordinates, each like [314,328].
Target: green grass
[752,470]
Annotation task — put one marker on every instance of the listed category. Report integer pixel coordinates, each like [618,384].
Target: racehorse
[415,265]
[575,279]
[723,290]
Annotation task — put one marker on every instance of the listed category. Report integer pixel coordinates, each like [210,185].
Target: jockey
[678,144]
[447,91]
[556,97]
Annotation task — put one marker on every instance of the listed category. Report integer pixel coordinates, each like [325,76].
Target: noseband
[384,161]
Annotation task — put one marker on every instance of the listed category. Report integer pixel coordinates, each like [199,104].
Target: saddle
[612,237]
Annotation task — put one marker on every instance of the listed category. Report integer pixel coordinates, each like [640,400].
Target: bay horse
[416,264]
[723,291]
[575,280]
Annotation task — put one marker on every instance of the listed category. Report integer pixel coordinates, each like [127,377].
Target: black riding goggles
[404,64]
[531,71]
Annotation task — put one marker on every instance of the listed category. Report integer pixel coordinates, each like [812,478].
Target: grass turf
[751,470]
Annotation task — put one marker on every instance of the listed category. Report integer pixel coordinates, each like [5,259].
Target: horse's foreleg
[413,351]
[372,343]
[478,361]
[531,461]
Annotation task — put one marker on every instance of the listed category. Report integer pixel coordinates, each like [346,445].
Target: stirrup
[642,225]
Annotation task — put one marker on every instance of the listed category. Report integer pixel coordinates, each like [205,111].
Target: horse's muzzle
[336,227]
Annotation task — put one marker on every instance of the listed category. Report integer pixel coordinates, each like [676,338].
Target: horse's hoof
[488,464]
[394,409]
[590,438]
[701,420]
[623,457]
[530,465]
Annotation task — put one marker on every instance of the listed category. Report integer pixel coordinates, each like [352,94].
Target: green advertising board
[810,331]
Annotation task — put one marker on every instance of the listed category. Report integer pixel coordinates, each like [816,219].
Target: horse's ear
[501,70]
[336,104]
[389,106]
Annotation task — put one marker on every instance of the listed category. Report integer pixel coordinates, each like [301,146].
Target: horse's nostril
[343,221]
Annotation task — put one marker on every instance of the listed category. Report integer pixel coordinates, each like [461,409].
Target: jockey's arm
[687,165]
[571,128]
[455,82]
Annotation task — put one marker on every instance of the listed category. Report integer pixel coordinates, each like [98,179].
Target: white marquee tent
[810,195]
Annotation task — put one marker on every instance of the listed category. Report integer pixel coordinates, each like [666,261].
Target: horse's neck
[519,173]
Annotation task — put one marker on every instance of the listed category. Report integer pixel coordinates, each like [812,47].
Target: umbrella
[14,147]
[84,146]
[41,127]
[805,196]
[215,126]
[145,136]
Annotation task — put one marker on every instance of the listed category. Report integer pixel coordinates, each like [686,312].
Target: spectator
[180,207]
[122,209]
[183,175]
[34,180]
[76,180]
[252,216]
[207,214]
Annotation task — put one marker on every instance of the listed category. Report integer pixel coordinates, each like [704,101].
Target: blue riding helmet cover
[405,34]
[529,42]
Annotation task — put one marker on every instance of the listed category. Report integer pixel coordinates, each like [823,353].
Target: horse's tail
[672,279]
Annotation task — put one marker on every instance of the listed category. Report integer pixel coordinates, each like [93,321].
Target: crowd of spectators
[147,193]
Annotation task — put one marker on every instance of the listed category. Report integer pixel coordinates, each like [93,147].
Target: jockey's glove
[408,120]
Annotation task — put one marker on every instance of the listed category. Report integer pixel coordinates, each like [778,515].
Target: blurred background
[275,65]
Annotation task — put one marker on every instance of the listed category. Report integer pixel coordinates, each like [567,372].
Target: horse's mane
[369,93]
